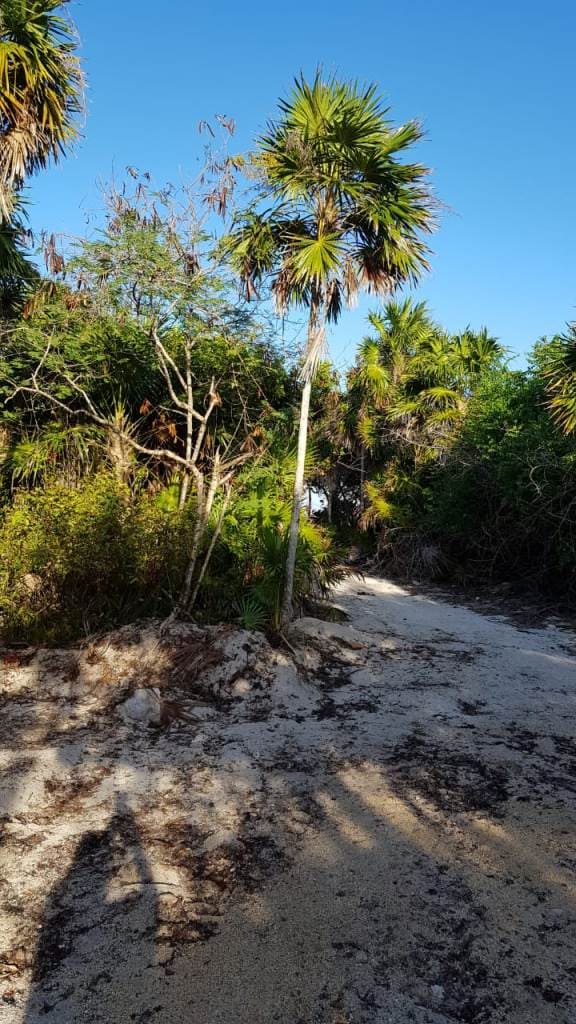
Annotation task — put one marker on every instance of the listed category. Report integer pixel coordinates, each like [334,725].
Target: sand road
[379,830]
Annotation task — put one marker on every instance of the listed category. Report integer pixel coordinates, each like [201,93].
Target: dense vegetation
[156,439]
[470,465]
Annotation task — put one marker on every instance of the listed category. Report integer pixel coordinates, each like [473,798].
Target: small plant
[248,569]
[252,614]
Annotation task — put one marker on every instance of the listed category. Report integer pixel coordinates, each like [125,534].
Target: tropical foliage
[465,467]
[41,91]
[157,441]
[75,559]
[342,213]
[558,361]
[41,99]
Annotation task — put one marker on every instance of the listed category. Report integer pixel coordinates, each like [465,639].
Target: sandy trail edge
[384,833]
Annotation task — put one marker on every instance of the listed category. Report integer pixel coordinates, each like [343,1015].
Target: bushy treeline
[503,504]
[466,467]
[147,449]
[157,444]
[434,455]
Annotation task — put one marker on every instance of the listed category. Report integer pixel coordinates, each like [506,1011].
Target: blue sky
[493,83]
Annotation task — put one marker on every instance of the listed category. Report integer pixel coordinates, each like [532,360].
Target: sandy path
[385,835]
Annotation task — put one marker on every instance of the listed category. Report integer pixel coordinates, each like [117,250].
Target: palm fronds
[346,214]
[41,91]
[560,375]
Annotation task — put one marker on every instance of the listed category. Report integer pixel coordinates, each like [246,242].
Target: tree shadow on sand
[107,892]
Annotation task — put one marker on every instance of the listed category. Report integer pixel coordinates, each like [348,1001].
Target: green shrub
[75,560]
[247,573]
[80,559]
[503,503]
[498,505]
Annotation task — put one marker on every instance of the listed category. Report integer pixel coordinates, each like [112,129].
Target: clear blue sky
[493,82]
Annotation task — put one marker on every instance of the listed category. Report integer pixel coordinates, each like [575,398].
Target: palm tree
[403,331]
[41,90]
[408,392]
[560,375]
[413,368]
[344,214]
[475,352]
[17,272]
[375,384]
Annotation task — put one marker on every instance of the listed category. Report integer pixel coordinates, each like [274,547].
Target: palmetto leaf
[372,375]
[17,273]
[379,508]
[314,259]
[251,249]
[69,448]
[253,615]
[367,431]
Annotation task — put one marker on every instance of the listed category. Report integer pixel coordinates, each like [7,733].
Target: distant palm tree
[410,386]
[345,214]
[474,352]
[41,91]
[411,364]
[560,375]
[377,381]
[403,331]
[407,394]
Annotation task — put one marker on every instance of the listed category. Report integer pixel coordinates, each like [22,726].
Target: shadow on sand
[107,892]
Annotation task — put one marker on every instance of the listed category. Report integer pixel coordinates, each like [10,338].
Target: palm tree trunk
[362,478]
[296,505]
[329,502]
[314,338]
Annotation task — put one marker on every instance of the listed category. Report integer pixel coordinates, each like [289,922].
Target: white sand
[384,835]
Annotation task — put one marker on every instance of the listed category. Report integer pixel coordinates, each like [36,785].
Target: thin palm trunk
[314,334]
[296,504]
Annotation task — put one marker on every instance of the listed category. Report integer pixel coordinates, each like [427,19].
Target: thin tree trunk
[205,500]
[362,478]
[313,340]
[211,547]
[185,484]
[296,505]
[196,542]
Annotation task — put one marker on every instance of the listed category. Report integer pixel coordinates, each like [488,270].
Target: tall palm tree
[344,213]
[41,90]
